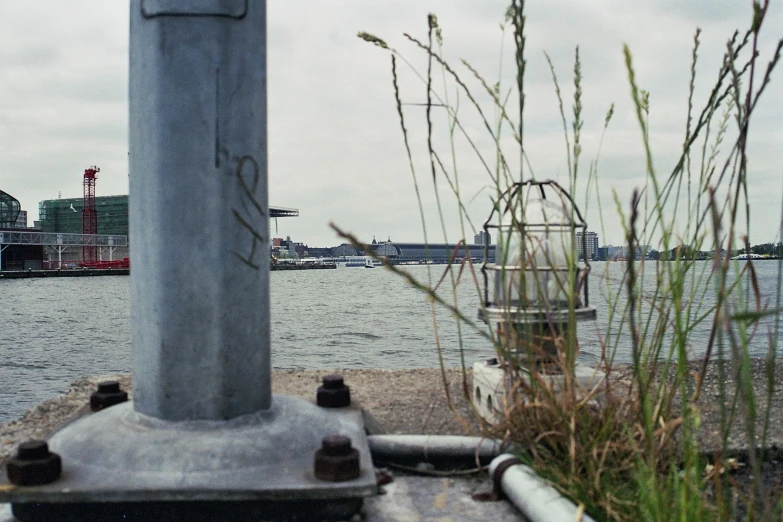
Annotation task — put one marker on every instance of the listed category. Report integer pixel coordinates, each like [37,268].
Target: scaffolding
[65,215]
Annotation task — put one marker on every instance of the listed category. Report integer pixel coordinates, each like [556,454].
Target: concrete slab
[419,499]
[441,499]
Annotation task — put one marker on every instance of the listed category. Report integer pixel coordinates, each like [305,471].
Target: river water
[57,330]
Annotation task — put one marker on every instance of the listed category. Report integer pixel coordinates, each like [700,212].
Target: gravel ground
[414,401]
[398,402]
[710,409]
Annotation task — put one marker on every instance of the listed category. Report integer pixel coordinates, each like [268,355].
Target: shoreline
[414,401]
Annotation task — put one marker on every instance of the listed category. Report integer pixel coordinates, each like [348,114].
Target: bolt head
[336,445]
[109,387]
[333,382]
[334,393]
[34,465]
[108,394]
[337,461]
[32,450]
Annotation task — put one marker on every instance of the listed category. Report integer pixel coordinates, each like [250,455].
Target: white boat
[745,257]
[352,261]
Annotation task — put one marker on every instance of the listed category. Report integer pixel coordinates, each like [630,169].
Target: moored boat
[746,257]
[352,261]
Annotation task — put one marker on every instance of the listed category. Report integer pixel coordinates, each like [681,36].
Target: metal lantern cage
[536,282]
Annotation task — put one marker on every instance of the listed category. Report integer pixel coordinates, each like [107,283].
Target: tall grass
[631,448]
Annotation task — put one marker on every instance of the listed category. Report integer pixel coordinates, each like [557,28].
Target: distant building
[590,240]
[65,215]
[610,253]
[482,238]
[12,219]
[10,210]
[21,221]
[285,248]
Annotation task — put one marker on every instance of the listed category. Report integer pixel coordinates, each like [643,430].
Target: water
[57,330]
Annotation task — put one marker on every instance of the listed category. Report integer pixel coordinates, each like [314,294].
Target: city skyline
[335,147]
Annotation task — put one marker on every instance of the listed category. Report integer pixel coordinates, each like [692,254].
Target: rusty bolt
[337,461]
[108,394]
[34,464]
[334,393]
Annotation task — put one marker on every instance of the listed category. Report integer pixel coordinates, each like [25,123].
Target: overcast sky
[335,147]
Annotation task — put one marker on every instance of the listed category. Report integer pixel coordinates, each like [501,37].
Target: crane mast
[89,216]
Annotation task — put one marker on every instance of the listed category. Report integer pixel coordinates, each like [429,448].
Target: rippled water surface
[57,330]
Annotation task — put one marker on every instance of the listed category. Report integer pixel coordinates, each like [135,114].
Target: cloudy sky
[335,147]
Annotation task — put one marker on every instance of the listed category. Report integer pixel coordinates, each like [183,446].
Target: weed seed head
[367,37]
[609,114]
[646,101]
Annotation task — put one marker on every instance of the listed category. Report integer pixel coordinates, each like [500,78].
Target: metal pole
[200,308]
[198,176]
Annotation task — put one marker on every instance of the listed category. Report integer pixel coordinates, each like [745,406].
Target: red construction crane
[90,215]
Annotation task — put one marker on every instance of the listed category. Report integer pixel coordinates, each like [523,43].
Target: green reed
[629,449]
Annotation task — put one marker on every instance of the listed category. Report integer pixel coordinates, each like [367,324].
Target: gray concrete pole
[199,208]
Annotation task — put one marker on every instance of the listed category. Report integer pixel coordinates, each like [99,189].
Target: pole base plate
[122,459]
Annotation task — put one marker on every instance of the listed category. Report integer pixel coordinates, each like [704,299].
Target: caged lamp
[536,288]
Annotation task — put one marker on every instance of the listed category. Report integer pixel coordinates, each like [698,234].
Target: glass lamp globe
[537,280]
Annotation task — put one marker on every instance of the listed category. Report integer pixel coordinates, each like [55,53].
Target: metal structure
[536,286]
[50,239]
[89,214]
[203,439]
[62,242]
[9,210]
[277,212]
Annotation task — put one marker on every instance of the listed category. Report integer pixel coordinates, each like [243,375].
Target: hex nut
[334,393]
[108,394]
[337,461]
[34,465]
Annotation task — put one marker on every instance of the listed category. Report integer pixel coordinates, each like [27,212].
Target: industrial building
[54,241]
[65,215]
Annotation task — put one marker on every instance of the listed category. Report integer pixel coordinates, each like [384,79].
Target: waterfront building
[13,220]
[285,248]
[65,215]
[10,210]
[588,241]
[482,238]
[613,253]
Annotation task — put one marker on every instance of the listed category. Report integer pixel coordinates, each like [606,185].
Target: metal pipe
[538,501]
[199,208]
[433,447]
